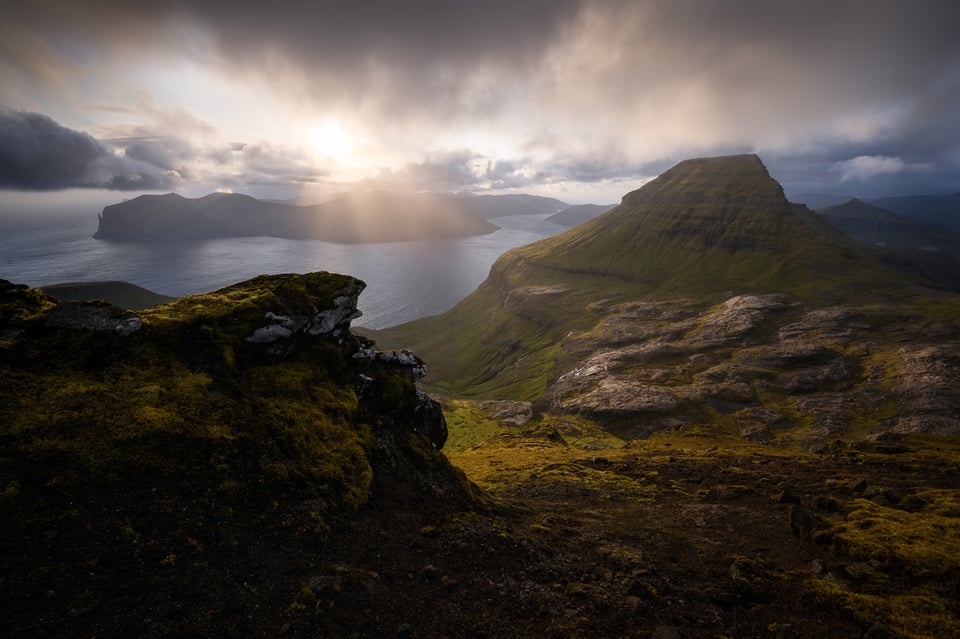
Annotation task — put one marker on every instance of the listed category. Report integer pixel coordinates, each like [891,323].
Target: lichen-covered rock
[761,357]
[253,392]
[736,318]
[927,387]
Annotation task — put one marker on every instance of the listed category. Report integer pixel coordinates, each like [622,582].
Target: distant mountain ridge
[940,209]
[943,210]
[578,214]
[929,251]
[356,217]
[873,224]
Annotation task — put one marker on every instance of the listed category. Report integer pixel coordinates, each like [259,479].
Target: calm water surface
[405,280]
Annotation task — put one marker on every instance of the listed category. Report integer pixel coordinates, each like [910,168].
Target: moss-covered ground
[700,531]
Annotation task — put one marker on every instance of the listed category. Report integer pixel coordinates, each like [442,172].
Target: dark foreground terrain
[679,536]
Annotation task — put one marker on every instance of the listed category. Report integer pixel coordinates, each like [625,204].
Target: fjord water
[405,280]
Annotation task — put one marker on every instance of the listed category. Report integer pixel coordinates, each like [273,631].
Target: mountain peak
[706,175]
[706,225]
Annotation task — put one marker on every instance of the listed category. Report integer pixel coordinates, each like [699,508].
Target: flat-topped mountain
[704,226]
[704,297]
[375,216]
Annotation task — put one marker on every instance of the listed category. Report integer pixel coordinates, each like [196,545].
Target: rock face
[781,372]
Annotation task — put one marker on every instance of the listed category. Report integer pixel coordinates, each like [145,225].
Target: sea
[405,280]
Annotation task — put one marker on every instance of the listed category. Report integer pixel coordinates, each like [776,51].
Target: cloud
[37,154]
[265,163]
[448,171]
[166,152]
[580,90]
[865,167]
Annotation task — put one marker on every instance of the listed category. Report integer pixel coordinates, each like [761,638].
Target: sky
[583,100]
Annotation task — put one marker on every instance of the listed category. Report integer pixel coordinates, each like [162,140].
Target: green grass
[703,231]
[916,554]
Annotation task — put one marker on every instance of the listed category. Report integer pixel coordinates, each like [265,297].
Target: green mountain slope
[707,229]
[704,226]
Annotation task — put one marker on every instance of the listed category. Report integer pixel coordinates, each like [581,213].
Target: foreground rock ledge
[189,448]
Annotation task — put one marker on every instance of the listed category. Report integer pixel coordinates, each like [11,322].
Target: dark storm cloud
[37,154]
[590,88]
[443,172]
[413,55]
[165,152]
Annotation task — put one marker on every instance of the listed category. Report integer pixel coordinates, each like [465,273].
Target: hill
[492,206]
[240,464]
[123,294]
[942,210]
[578,214]
[875,225]
[351,218]
[929,251]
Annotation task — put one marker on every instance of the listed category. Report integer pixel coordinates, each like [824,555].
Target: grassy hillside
[707,229]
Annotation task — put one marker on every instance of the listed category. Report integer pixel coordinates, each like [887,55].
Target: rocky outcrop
[222,439]
[100,317]
[780,371]
[735,319]
[927,390]
[273,356]
[333,322]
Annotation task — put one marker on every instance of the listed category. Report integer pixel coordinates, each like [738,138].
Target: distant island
[578,214]
[351,218]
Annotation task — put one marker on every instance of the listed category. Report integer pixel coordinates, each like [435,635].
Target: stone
[801,522]
[99,317]
[857,485]
[787,497]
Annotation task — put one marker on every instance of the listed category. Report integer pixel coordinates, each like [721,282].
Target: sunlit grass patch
[915,550]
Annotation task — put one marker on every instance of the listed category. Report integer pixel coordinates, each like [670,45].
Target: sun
[329,139]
